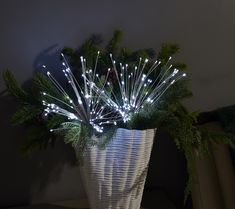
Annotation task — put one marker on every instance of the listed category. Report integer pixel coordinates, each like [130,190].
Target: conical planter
[114,177]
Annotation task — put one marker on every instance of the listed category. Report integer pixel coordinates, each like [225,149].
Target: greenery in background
[193,139]
[226,116]
[170,114]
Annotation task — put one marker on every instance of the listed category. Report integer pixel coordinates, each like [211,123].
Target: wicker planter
[114,178]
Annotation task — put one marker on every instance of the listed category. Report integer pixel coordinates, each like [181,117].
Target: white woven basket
[114,178]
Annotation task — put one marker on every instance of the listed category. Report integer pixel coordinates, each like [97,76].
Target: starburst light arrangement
[136,89]
[96,103]
[87,107]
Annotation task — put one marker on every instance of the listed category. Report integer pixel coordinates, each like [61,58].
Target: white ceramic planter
[114,178]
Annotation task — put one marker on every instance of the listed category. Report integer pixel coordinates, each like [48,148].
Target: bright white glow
[95,103]
[88,106]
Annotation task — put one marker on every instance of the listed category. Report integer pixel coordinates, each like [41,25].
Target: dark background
[32,33]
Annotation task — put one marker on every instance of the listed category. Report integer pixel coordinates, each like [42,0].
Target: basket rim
[138,130]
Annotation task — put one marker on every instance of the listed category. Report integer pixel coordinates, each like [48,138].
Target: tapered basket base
[114,177]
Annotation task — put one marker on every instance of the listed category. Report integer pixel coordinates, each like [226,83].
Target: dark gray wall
[204,29]
[32,32]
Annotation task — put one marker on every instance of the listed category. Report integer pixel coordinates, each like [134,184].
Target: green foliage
[30,110]
[114,43]
[42,83]
[105,138]
[180,124]
[191,138]
[208,137]
[73,131]
[25,113]
[54,121]
[38,138]
[226,116]
[14,87]
[167,51]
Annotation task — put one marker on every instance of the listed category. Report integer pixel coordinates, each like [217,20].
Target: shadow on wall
[45,176]
[51,58]
[16,172]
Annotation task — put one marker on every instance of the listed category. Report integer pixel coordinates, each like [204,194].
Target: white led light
[95,102]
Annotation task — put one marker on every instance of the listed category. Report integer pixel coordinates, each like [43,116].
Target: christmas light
[137,88]
[96,102]
[87,107]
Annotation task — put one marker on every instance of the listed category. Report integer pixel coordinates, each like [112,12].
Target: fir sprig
[14,88]
[25,114]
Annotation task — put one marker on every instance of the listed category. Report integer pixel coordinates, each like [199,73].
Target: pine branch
[25,114]
[72,134]
[38,138]
[54,121]
[14,87]
[43,84]
[114,44]
[166,51]
[89,51]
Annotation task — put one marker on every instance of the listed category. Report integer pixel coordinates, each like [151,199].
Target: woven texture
[114,177]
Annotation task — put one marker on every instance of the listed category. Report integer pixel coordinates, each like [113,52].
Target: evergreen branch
[72,135]
[14,87]
[69,125]
[38,138]
[89,51]
[43,84]
[105,138]
[166,51]
[25,114]
[55,121]
[113,44]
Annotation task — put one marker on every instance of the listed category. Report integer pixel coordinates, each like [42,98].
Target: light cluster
[136,89]
[96,103]
[85,105]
